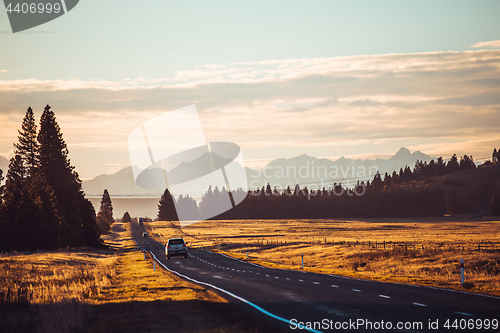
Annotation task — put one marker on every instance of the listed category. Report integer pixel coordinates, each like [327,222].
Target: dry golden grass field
[417,251]
[115,290]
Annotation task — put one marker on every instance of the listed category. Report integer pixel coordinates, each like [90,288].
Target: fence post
[302,260]
[462,272]
[247,254]
[218,248]
[154,265]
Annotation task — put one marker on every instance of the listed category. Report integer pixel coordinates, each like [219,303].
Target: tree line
[42,203]
[392,195]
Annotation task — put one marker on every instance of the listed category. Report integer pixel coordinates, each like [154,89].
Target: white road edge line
[231,294]
[464,313]
[267,313]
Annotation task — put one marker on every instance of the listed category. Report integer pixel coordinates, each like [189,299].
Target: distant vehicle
[144,234]
[141,220]
[176,247]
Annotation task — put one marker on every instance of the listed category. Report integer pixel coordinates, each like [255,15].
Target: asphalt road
[326,303]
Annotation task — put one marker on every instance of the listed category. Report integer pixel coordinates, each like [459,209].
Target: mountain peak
[402,153]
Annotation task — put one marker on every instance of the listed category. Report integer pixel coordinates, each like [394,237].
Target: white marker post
[154,265]
[302,260]
[247,254]
[462,271]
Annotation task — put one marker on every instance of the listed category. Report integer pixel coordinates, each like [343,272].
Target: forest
[391,195]
[42,204]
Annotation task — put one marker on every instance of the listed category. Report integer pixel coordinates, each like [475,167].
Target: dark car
[176,247]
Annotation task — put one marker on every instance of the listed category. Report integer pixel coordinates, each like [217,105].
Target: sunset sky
[279,78]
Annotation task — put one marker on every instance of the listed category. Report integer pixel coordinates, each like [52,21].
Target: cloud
[493,43]
[291,105]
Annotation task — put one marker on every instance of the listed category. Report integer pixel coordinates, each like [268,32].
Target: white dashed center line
[301,280]
[316,282]
[356,290]
[384,296]
[334,286]
[418,304]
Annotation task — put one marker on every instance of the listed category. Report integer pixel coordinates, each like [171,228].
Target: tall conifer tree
[29,212]
[27,147]
[166,208]
[105,215]
[78,227]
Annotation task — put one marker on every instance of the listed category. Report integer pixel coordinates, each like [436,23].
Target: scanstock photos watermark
[28,14]
[170,151]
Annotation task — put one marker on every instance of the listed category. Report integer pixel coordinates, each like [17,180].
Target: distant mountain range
[304,170]
[311,171]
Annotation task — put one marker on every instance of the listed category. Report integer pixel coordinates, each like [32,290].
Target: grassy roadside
[142,300]
[115,290]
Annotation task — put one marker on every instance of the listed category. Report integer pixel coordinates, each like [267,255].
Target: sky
[279,78]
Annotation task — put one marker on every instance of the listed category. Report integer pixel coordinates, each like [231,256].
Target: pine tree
[29,213]
[206,203]
[126,217]
[105,215]
[166,208]
[452,164]
[27,148]
[78,226]
[467,162]
[268,190]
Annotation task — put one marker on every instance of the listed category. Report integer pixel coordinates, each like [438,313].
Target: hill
[469,191]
